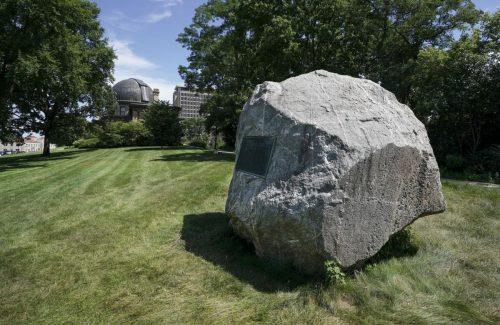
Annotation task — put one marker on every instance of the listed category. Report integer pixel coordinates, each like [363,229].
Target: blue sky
[144,32]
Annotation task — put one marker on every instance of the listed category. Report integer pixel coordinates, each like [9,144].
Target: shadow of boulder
[199,156]
[156,148]
[401,244]
[209,236]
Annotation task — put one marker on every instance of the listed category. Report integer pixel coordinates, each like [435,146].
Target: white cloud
[154,18]
[166,88]
[127,58]
[120,20]
[165,12]
[168,3]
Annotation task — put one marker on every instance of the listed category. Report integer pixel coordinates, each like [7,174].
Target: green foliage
[162,120]
[484,166]
[407,46]
[194,132]
[133,133]
[12,137]
[489,158]
[117,134]
[223,111]
[87,143]
[193,127]
[456,92]
[201,142]
[334,273]
[235,45]
[70,128]
[55,63]
[455,162]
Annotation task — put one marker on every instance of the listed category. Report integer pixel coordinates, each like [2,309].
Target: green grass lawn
[138,235]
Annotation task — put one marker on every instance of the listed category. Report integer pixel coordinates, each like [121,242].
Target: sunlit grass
[139,236]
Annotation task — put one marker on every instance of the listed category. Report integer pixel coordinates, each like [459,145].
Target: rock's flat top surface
[361,112]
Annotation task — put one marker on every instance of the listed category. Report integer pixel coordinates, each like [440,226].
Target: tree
[56,65]
[70,130]
[236,45]
[222,111]
[13,40]
[194,132]
[456,92]
[162,120]
[193,128]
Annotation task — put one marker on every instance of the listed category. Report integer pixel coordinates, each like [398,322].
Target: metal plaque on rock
[255,154]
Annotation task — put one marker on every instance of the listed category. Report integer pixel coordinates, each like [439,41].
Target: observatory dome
[133,91]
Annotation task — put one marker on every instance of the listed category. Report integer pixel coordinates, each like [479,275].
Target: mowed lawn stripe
[56,182]
[104,176]
[45,183]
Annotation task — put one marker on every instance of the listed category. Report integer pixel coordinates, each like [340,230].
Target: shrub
[121,133]
[489,159]
[455,162]
[202,141]
[198,143]
[110,139]
[117,134]
[87,143]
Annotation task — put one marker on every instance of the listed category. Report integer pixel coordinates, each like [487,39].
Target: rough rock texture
[351,166]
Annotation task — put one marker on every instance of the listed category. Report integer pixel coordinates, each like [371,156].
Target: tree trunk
[476,138]
[46,146]
[215,141]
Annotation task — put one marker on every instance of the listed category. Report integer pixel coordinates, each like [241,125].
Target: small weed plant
[334,273]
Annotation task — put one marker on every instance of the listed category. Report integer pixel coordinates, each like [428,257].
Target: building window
[123,110]
[145,95]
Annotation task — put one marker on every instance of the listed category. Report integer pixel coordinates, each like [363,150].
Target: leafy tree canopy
[456,91]
[236,44]
[55,65]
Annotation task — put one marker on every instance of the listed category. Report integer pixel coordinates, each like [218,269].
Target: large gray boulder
[348,167]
